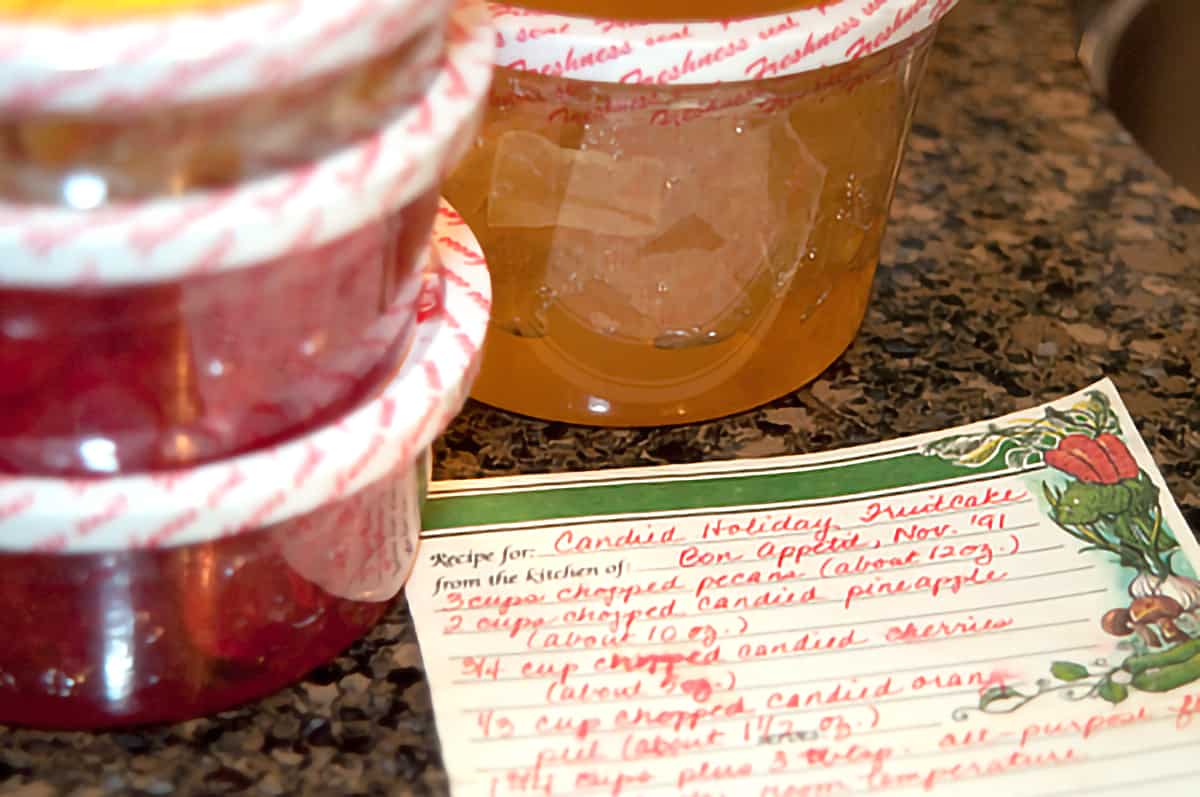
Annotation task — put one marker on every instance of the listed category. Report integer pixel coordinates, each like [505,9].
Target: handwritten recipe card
[1008,608]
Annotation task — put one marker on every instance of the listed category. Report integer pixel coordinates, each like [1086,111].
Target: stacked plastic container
[228,333]
[683,217]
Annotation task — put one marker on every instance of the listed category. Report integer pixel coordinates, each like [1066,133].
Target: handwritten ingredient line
[646,596]
[1005,739]
[919,668]
[899,569]
[900,619]
[862,648]
[906,569]
[805,654]
[863,550]
[885,595]
[958,665]
[1076,761]
[1034,654]
[1051,574]
[908,617]
[831,626]
[708,722]
[736,610]
[911,756]
[709,751]
[1106,761]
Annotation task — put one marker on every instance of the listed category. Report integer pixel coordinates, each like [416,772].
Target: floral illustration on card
[1096,493]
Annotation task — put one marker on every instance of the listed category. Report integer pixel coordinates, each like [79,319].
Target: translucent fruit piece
[728,222]
[536,183]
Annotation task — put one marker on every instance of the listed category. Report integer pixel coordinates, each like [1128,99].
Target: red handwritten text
[934,585]
[945,502]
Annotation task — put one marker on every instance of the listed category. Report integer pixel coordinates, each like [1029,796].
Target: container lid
[194,54]
[262,219]
[607,51]
[266,487]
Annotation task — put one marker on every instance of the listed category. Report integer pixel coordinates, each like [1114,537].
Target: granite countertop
[1033,249]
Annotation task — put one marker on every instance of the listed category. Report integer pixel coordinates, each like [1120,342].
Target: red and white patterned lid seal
[607,51]
[197,55]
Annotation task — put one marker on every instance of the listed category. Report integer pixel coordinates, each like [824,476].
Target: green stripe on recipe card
[664,495]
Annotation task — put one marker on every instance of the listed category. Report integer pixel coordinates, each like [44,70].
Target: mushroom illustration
[1158,610]
[1145,615]
[1117,622]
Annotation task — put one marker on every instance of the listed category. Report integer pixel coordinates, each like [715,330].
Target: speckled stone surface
[1033,249]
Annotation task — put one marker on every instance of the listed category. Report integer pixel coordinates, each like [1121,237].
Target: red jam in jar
[154,376]
[146,636]
[161,597]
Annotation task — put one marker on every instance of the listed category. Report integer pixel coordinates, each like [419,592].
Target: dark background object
[1143,57]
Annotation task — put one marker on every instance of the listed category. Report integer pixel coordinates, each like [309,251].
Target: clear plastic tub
[683,219]
[143,599]
[180,322]
[199,98]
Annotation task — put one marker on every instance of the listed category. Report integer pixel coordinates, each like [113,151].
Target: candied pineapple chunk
[536,183]
[720,237]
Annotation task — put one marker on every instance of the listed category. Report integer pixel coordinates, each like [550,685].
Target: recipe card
[1006,608]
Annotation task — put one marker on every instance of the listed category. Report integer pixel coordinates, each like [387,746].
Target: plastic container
[154,598]
[683,219]
[168,331]
[135,105]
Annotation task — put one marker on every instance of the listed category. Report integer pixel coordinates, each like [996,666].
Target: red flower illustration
[1100,460]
